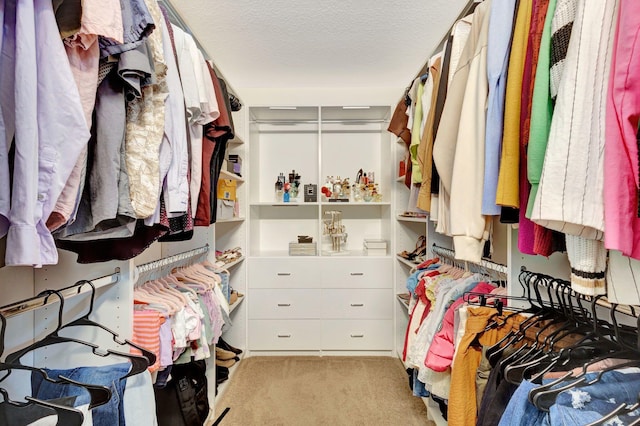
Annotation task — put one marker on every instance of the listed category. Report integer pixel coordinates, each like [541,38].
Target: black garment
[442,95]
[183,401]
[497,394]
[509,215]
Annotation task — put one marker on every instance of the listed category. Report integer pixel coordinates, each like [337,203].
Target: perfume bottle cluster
[285,191]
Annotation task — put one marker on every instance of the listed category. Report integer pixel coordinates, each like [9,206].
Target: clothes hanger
[98,395]
[67,416]
[544,396]
[139,363]
[85,321]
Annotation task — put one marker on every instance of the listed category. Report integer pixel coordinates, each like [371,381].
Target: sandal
[421,245]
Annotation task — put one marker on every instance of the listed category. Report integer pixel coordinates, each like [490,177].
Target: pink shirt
[622,225]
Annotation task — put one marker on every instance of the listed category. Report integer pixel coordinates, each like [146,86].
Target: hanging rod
[346,121]
[600,300]
[487,264]
[180,259]
[38,302]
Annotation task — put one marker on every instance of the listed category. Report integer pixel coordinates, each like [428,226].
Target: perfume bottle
[279,187]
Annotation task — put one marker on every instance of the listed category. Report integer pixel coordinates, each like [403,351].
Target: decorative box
[302,249]
[311,193]
[374,247]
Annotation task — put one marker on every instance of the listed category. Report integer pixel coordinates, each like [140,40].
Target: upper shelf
[228,175]
[412,219]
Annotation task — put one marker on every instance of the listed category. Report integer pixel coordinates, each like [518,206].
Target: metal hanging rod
[345,121]
[180,259]
[599,300]
[38,302]
[487,264]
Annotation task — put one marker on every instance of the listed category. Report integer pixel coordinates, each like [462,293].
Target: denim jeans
[418,387]
[519,411]
[109,414]
[582,405]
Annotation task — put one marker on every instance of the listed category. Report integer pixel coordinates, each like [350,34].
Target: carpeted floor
[313,391]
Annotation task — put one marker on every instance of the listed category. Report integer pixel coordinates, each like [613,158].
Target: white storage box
[303,249]
[225,209]
[375,247]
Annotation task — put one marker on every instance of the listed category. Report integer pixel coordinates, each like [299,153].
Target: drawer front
[356,273]
[372,335]
[284,273]
[284,304]
[357,303]
[284,335]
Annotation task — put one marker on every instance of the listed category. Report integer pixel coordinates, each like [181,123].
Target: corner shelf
[403,301]
[232,264]
[235,305]
[228,175]
[412,219]
[406,262]
[233,219]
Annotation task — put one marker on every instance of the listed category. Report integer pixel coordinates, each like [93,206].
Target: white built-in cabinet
[328,302]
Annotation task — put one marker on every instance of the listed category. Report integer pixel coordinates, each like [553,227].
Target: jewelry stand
[335,230]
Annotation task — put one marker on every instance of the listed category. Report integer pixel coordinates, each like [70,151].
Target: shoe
[224,345]
[421,248]
[223,354]
[226,363]
[233,297]
[222,374]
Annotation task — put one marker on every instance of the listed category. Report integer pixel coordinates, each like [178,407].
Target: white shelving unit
[328,303]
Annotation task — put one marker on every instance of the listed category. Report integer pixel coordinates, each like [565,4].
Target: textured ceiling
[316,43]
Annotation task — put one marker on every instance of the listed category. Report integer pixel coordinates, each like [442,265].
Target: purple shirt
[50,129]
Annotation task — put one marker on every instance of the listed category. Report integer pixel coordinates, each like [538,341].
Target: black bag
[184,401]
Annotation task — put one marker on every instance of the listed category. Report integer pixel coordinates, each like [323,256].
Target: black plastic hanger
[84,320]
[139,363]
[99,395]
[67,416]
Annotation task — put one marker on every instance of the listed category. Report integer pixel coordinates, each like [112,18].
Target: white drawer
[357,304]
[284,335]
[372,335]
[356,273]
[284,304]
[284,273]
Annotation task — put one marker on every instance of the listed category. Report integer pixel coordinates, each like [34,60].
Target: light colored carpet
[320,391]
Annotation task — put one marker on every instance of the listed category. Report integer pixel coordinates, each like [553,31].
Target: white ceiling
[316,43]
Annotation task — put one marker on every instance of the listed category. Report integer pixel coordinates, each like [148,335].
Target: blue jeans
[109,414]
[587,404]
[418,387]
[520,412]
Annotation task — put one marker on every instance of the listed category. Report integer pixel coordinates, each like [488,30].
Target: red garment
[203,212]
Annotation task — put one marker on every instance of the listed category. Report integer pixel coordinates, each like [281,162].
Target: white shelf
[235,305]
[359,203]
[403,301]
[412,219]
[222,387]
[235,141]
[232,264]
[279,204]
[227,175]
[400,179]
[406,261]
[233,219]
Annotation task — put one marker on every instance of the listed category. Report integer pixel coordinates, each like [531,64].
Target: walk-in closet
[313,213]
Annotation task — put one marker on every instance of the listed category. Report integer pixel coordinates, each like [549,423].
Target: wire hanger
[139,364]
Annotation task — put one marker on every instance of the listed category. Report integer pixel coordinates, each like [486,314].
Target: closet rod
[179,258]
[38,302]
[287,122]
[600,300]
[177,20]
[464,12]
[487,264]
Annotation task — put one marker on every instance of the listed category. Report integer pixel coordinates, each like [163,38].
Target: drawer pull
[284,274]
[357,305]
[284,336]
[357,335]
[357,274]
[284,304]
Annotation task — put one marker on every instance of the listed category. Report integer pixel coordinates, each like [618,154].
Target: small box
[225,209]
[234,164]
[311,193]
[227,189]
[375,247]
[302,249]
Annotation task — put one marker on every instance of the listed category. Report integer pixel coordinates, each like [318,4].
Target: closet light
[356,107]
[283,108]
